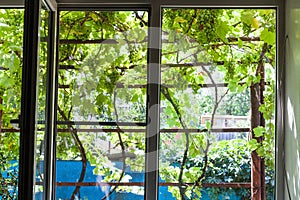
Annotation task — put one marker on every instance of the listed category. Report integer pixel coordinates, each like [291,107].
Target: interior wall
[292,101]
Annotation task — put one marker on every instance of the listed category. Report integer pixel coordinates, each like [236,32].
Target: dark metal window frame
[51,101]
[29,101]
[28,113]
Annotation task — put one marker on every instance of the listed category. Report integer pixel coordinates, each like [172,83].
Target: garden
[216,102]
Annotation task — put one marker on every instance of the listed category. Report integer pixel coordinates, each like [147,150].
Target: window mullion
[153,112]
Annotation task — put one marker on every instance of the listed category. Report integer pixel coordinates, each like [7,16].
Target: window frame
[153,86]
[27,121]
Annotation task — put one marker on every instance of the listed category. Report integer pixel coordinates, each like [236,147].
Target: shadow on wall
[292,148]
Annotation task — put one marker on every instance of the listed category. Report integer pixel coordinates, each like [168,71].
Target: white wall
[292,101]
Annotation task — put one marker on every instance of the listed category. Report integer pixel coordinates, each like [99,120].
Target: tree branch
[216,105]
[166,93]
[122,147]
[81,150]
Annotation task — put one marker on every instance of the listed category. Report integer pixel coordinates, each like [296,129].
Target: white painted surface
[292,99]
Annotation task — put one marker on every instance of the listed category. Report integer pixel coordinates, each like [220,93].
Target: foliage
[11,34]
[237,104]
[229,162]
[11,30]
[8,177]
[103,68]
[238,59]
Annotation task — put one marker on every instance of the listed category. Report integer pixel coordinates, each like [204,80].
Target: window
[210,59]
[102,103]
[144,99]
[206,73]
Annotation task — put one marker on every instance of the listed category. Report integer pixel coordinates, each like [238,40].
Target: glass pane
[228,161]
[218,65]
[11,53]
[106,166]
[41,108]
[210,193]
[102,104]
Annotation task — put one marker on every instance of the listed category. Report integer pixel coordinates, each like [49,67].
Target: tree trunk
[258,191]
[258,183]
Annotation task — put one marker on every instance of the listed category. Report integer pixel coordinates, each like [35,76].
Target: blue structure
[69,171]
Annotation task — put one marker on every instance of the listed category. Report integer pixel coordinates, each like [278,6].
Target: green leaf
[232,85]
[253,144]
[259,131]
[240,43]
[6,82]
[268,37]
[169,111]
[222,30]
[260,151]
[101,99]
[141,34]
[76,100]
[179,19]
[135,98]
[247,17]
[208,125]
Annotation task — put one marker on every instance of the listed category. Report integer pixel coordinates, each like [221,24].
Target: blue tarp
[69,171]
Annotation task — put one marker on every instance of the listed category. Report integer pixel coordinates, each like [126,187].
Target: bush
[230,161]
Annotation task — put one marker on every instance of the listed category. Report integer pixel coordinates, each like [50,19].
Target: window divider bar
[153,104]
[101,123]
[14,121]
[139,130]
[164,184]
[169,3]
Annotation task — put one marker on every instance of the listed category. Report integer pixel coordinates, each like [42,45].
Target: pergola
[28,120]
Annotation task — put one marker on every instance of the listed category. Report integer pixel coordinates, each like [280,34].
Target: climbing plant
[11,34]
[210,59]
[239,45]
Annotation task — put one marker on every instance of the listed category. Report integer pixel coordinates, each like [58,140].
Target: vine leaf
[268,37]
